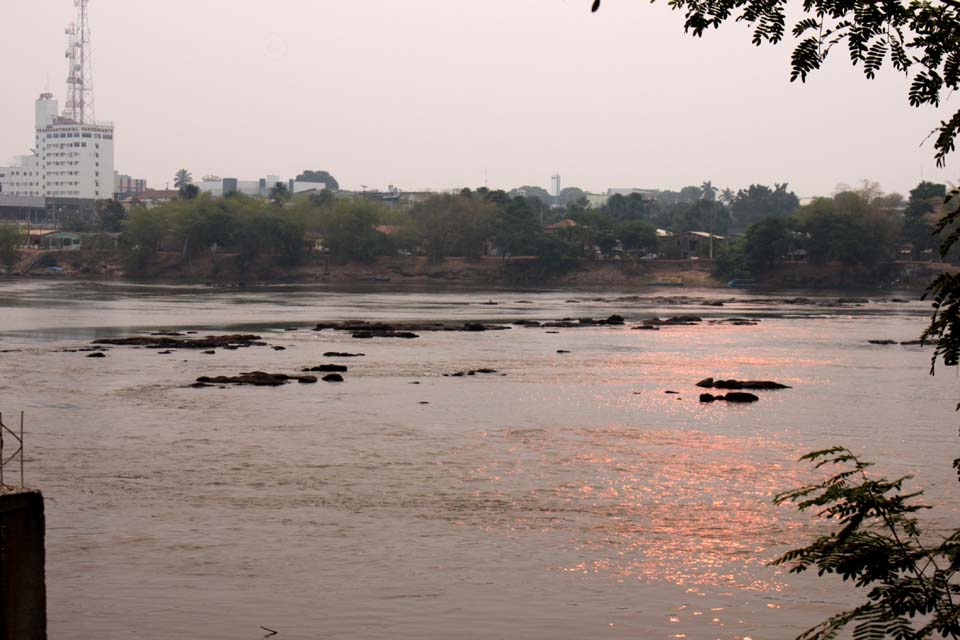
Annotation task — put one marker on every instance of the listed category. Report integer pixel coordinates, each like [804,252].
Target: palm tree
[279,193]
[726,196]
[708,191]
[182,179]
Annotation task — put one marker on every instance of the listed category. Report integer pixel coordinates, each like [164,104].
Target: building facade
[69,160]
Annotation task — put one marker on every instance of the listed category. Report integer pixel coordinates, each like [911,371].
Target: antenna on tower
[79,105]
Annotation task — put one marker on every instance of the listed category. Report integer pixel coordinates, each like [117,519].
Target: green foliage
[527,191]
[319,176]
[637,235]
[730,261]
[446,224]
[877,544]
[702,215]
[765,243]
[11,237]
[349,232]
[189,192]
[759,201]
[279,193]
[853,227]
[570,195]
[920,216]
[110,215]
[518,227]
[631,207]
[944,329]
[182,179]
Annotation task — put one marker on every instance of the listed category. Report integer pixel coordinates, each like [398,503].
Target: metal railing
[6,459]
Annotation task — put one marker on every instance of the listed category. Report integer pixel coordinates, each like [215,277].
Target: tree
[920,216]
[110,215]
[571,194]
[690,194]
[765,243]
[319,176]
[182,179]
[518,227]
[279,193]
[708,191]
[632,207]
[637,235]
[920,39]
[528,191]
[446,224]
[759,201]
[11,237]
[189,191]
[726,196]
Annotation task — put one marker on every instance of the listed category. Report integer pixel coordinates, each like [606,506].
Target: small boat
[742,283]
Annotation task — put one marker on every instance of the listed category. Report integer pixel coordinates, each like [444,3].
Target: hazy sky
[434,94]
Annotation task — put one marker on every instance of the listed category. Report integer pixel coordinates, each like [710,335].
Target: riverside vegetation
[760,228]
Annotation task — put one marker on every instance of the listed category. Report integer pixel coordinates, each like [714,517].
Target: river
[565,496]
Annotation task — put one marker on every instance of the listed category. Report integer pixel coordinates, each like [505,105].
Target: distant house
[558,227]
[50,239]
[689,244]
[150,198]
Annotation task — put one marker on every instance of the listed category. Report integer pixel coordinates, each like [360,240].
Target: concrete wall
[23,600]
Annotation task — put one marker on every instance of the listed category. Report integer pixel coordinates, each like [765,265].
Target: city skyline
[429,96]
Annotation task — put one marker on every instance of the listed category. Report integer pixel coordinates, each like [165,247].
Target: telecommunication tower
[79,105]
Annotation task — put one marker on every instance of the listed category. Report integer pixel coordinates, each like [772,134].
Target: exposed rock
[551,332]
[647,327]
[209,353]
[707,397]
[166,342]
[562,351]
[278,348]
[710,383]
[615,319]
[713,303]
[899,300]
[341,354]
[366,335]
[333,377]
[672,392]
[255,378]
[165,353]
[739,396]
[683,321]
[395,329]
[739,322]
[883,342]
[471,372]
[97,354]
[326,368]
[852,301]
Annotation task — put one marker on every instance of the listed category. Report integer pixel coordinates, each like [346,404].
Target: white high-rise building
[73,154]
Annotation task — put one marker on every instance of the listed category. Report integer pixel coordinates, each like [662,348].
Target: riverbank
[224,268]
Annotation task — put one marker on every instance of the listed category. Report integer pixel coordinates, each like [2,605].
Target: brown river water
[569,497]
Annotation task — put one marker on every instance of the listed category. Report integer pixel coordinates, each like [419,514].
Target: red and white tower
[79,106]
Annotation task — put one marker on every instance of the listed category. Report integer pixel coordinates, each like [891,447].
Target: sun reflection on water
[689,508]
